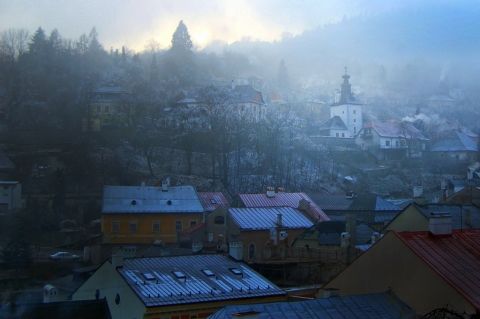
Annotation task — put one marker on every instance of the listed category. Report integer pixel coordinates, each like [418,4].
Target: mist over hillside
[405,47]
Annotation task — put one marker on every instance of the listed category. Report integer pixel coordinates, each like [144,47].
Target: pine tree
[181,38]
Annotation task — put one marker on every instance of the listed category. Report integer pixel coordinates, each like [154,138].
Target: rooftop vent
[208,272]
[236,271]
[270,192]
[179,275]
[148,276]
[133,202]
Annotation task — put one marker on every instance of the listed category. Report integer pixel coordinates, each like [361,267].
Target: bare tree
[13,42]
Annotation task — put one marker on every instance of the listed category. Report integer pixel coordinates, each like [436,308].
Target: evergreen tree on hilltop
[181,38]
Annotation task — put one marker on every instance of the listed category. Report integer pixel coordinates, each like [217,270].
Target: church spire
[346,95]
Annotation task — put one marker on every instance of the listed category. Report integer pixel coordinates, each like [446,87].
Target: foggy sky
[135,23]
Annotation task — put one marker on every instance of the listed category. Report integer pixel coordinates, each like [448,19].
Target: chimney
[440,224]
[270,192]
[279,220]
[117,260]
[375,237]
[345,239]
[165,184]
[280,190]
[417,191]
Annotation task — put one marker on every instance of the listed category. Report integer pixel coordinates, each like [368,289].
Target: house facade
[257,235]
[392,140]
[109,107]
[10,196]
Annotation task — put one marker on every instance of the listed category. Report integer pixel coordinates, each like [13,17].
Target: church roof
[334,123]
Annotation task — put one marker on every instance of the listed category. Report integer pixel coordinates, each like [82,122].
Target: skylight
[148,276]
[179,275]
[208,272]
[236,271]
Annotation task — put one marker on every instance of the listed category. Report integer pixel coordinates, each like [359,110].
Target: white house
[10,196]
[392,139]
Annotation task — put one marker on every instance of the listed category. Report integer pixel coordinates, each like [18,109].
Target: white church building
[345,114]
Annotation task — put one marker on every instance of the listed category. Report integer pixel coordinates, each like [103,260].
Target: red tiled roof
[213,200]
[282,200]
[455,258]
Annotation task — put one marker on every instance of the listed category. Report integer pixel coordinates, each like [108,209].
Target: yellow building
[427,270]
[182,287]
[109,107]
[147,214]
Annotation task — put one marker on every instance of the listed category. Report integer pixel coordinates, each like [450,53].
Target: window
[337,135]
[132,227]
[387,143]
[193,223]
[156,226]
[219,220]
[343,134]
[98,109]
[354,111]
[115,227]
[107,109]
[354,120]
[354,129]
[397,144]
[178,225]
[251,251]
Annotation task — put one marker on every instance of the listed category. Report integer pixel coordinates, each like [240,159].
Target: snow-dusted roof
[149,199]
[334,123]
[395,129]
[266,218]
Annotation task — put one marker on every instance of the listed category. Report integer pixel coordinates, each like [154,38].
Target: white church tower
[347,108]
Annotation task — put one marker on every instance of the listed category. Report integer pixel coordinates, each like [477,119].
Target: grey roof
[370,306]
[191,279]
[150,199]
[456,142]
[266,218]
[334,123]
[361,202]
[463,216]
[331,202]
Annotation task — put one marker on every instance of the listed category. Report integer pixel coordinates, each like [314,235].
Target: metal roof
[188,279]
[281,199]
[455,258]
[369,306]
[213,200]
[266,218]
[394,129]
[150,199]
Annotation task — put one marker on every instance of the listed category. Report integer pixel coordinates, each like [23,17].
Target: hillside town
[180,184]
